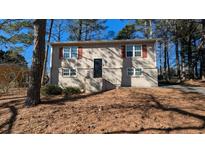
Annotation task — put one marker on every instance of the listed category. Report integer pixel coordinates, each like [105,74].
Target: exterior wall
[149,77]
[114,68]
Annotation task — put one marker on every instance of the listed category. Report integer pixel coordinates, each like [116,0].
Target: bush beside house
[52,89]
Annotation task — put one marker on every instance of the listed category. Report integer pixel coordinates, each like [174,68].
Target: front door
[97,68]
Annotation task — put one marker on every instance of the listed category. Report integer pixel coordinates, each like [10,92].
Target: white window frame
[134,70]
[70,54]
[128,69]
[133,50]
[69,70]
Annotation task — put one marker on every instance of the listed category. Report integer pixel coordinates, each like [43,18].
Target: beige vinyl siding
[114,68]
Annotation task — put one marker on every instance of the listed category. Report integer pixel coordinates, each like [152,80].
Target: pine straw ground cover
[195,83]
[124,110]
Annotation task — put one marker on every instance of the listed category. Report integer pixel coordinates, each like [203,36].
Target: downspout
[51,58]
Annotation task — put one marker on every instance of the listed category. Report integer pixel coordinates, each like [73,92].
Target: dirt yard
[124,110]
[195,83]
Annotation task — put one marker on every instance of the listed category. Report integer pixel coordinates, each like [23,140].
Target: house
[103,65]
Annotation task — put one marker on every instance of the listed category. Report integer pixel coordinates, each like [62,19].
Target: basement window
[67,72]
[133,50]
[130,71]
[134,71]
[138,71]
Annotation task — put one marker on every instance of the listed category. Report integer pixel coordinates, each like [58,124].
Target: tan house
[102,65]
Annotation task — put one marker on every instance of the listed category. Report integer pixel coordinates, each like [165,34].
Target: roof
[101,42]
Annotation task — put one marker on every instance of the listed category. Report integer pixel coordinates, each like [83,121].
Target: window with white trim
[134,71]
[133,50]
[130,71]
[68,72]
[70,52]
[138,71]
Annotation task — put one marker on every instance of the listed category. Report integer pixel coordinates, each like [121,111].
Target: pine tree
[46,53]
[128,32]
[203,52]
[86,29]
[145,26]
[33,93]
[16,34]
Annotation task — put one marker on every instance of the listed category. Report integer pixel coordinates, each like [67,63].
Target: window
[66,72]
[130,71]
[138,71]
[133,50]
[70,52]
[129,50]
[134,71]
[137,49]
[74,52]
[72,72]
[66,53]
[69,72]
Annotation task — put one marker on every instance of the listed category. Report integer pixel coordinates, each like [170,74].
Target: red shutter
[60,53]
[123,51]
[144,51]
[80,52]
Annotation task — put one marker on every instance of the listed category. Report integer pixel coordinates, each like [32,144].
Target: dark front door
[97,68]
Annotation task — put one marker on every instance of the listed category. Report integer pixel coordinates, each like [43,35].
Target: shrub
[51,89]
[71,90]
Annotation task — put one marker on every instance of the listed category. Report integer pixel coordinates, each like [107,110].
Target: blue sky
[116,24]
[113,25]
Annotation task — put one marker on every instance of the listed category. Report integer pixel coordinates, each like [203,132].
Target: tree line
[17,35]
[180,47]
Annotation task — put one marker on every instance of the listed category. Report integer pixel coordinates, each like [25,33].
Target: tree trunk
[196,71]
[59,32]
[46,54]
[86,30]
[168,66]
[177,58]
[80,30]
[33,93]
[196,60]
[190,60]
[165,60]
[160,60]
[182,61]
[150,28]
[201,65]
[203,53]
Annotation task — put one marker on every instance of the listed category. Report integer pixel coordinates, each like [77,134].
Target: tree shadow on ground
[150,102]
[10,121]
[159,106]
[62,100]
[12,98]
[13,104]
[17,103]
